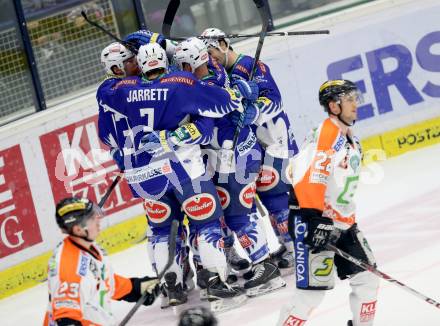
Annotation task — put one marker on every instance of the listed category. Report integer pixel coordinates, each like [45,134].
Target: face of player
[131,67]
[91,228]
[349,105]
[217,55]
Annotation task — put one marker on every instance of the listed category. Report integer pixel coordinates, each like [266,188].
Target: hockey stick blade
[171,254]
[168,19]
[375,271]
[113,36]
[109,191]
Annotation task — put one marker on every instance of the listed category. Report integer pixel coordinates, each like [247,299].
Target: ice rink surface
[399,213]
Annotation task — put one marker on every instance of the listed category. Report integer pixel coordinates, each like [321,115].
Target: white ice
[398,211]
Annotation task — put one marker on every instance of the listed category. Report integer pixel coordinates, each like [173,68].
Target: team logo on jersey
[294,321]
[157,211]
[247,195]
[199,207]
[224,196]
[268,178]
[368,310]
[355,162]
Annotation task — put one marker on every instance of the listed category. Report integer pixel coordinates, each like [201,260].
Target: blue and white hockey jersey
[272,128]
[166,103]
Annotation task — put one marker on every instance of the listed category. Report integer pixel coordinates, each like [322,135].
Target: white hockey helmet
[218,35]
[152,56]
[191,51]
[114,55]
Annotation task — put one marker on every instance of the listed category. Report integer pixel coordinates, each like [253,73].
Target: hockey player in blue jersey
[274,133]
[236,170]
[170,115]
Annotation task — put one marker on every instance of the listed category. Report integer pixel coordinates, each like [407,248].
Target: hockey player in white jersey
[325,177]
[230,166]
[274,133]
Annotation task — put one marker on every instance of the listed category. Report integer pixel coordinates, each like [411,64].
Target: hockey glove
[140,286]
[248,89]
[143,37]
[157,143]
[248,117]
[118,157]
[319,230]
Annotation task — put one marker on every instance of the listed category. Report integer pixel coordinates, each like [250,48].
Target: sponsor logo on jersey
[355,162]
[301,254]
[247,145]
[224,196]
[157,211]
[339,143]
[294,321]
[152,170]
[322,267]
[247,195]
[243,69]
[368,310]
[318,177]
[268,178]
[125,82]
[199,207]
[83,265]
[178,80]
[245,242]
[147,94]
[67,303]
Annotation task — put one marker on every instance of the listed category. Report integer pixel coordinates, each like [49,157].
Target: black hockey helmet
[197,316]
[332,90]
[72,211]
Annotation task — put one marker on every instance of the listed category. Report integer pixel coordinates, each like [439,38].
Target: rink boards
[393,54]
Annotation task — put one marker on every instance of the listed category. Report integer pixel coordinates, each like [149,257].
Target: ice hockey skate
[266,278]
[173,291]
[222,296]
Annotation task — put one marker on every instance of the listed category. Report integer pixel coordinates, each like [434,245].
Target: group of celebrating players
[201,142]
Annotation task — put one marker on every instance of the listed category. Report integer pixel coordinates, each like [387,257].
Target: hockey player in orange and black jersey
[274,133]
[80,279]
[235,170]
[325,177]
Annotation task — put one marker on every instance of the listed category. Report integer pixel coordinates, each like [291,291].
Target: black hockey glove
[140,285]
[319,229]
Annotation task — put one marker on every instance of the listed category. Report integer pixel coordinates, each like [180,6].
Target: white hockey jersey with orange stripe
[81,285]
[326,173]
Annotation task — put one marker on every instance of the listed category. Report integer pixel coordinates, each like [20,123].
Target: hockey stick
[265,23]
[109,191]
[113,36]
[297,33]
[168,19]
[171,254]
[372,269]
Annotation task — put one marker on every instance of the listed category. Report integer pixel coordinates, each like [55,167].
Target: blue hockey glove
[248,89]
[143,37]
[250,115]
[118,157]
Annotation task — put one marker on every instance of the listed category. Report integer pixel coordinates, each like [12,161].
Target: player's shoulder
[178,78]
[127,83]
[329,136]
